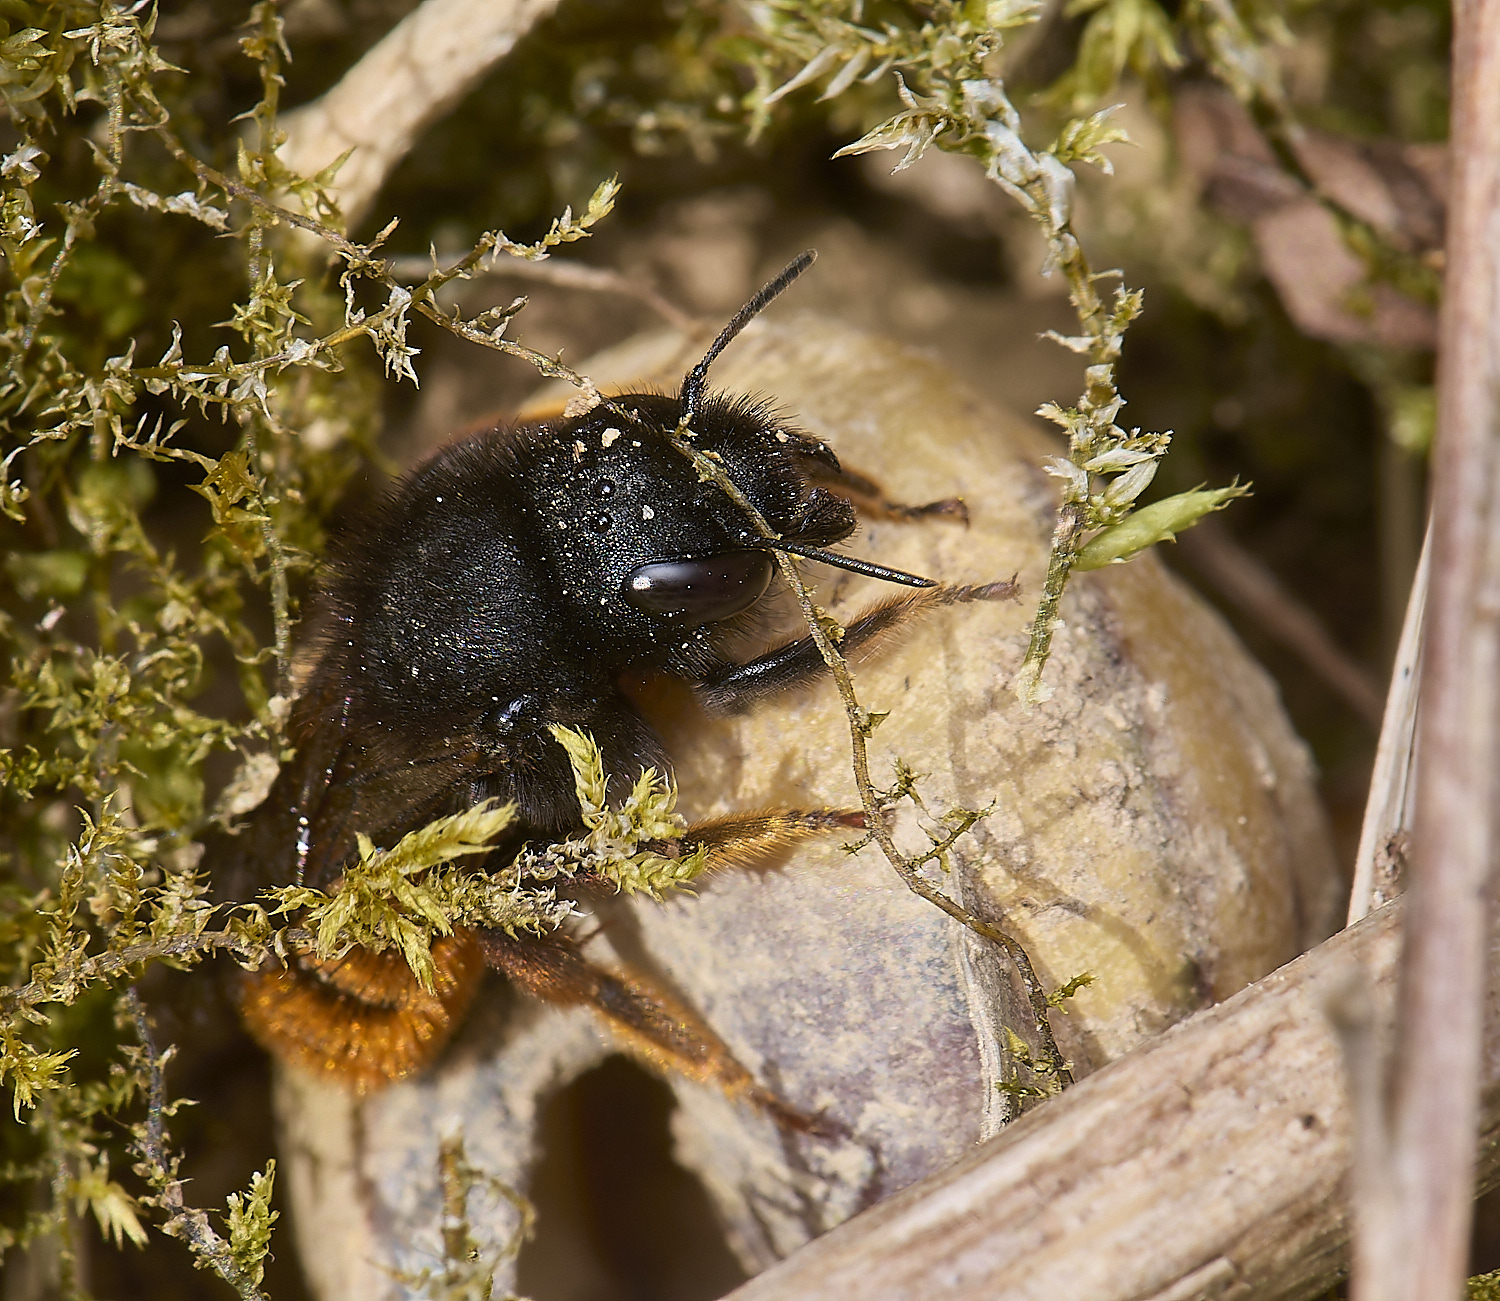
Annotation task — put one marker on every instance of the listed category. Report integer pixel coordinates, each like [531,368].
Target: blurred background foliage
[140,600]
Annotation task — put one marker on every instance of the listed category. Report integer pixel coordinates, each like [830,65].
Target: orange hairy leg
[666,1036]
[746,840]
[363,1021]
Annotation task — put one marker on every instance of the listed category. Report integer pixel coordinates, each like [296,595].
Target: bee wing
[383,793]
[339,781]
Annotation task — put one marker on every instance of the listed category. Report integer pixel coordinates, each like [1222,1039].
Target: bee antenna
[692,387]
[852,563]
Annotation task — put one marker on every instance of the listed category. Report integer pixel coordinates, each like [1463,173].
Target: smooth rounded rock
[1154,823]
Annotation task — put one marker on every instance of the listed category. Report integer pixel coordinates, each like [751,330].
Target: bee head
[673,547]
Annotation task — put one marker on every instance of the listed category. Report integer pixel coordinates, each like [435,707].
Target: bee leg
[362,1021]
[551,968]
[869,499]
[744,840]
[735,687]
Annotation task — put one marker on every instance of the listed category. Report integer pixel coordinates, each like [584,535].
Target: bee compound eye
[704,590]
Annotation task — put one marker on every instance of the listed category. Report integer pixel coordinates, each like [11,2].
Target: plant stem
[1412,1244]
[908,869]
[160,1170]
[106,966]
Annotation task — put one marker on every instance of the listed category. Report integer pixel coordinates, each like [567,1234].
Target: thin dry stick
[419,70]
[563,275]
[1388,810]
[1413,1248]
[1256,591]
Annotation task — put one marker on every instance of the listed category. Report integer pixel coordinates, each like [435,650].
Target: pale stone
[1154,824]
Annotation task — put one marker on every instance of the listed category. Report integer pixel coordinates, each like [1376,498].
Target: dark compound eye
[704,590]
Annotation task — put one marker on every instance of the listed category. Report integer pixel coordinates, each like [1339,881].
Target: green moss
[165,352]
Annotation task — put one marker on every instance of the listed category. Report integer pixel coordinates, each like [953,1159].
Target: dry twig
[563,275]
[1415,1211]
[418,71]
[1210,1164]
[1379,863]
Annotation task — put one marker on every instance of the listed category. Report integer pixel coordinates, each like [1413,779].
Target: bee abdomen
[363,1021]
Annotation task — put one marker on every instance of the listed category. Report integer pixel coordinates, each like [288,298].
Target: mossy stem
[908,869]
[64,1177]
[82,213]
[1066,536]
[106,966]
[363,255]
[184,1221]
[1072,521]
